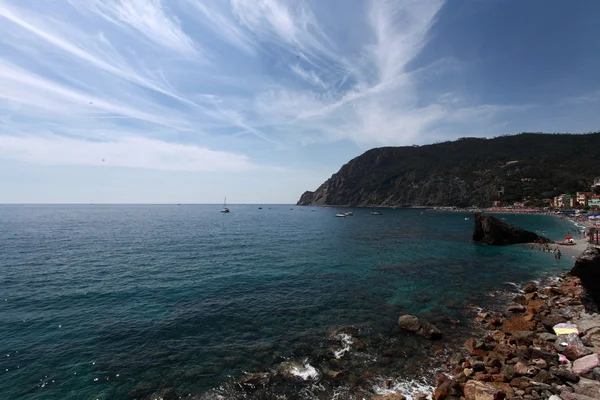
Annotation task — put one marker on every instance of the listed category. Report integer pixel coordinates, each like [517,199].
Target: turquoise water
[119,301]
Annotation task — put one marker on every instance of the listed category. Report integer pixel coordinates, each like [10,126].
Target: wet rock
[409,323]
[530,287]
[491,230]
[421,396]
[297,371]
[255,381]
[429,331]
[571,346]
[475,390]
[586,364]
[334,374]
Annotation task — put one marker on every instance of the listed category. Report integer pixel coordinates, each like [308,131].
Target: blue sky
[185,101]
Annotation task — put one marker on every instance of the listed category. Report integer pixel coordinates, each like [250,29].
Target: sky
[188,101]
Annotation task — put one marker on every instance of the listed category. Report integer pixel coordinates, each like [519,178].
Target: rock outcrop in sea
[587,268]
[491,230]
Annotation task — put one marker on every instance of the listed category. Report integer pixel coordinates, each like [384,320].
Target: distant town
[589,200]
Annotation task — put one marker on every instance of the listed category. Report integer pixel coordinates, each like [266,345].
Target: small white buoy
[95,379]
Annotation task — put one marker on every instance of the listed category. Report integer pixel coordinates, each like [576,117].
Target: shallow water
[116,302]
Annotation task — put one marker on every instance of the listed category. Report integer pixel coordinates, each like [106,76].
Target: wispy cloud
[174,80]
[132,152]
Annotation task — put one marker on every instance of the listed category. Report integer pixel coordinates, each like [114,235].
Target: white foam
[346,343]
[408,388]
[306,372]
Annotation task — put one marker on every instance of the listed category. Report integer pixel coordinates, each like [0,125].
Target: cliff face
[464,172]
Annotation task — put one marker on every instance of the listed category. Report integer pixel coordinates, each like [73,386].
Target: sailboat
[225,209]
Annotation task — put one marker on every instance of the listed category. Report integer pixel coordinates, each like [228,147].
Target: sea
[182,301]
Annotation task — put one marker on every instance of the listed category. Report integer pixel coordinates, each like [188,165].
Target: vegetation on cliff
[465,172]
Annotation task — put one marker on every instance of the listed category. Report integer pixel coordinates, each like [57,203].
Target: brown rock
[520,383]
[421,396]
[498,378]
[516,309]
[335,374]
[479,353]
[444,389]
[429,331]
[475,390]
[521,368]
[530,287]
[483,376]
[409,323]
[516,323]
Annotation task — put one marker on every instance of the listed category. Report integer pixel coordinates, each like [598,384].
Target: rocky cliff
[469,171]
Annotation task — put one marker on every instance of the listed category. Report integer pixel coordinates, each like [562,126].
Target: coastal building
[596,183]
[582,198]
[594,201]
[564,200]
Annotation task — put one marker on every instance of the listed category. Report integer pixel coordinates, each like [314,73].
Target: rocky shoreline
[543,346]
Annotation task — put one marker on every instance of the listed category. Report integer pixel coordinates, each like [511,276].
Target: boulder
[571,346]
[475,390]
[492,231]
[297,371]
[586,364]
[530,287]
[255,381]
[588,387]
[429,331]
[409,323]
[587,268]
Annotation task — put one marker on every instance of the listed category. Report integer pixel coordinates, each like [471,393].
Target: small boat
[260,208]
[225,209]
[375,213]
[466,219]
[341,215]
[349,213]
